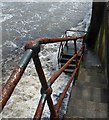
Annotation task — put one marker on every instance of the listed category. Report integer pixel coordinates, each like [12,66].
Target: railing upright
[76,59]
[83,44]
[46,91]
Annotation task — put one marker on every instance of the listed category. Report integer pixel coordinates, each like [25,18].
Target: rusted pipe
[33,44]
[65,91]
[9,86]
[58,105]
[54,114]
[14,79]
[54,40]
[45,87]
[76,62]
[75,47]
[40,107]
[40,71]
[26,58]
[56,75]
[83,46]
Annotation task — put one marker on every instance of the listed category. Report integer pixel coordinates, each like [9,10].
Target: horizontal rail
[58,105]
[34,44]
[53,40]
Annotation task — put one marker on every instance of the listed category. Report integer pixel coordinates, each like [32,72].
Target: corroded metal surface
[45,90]
[33,43]
[53,40]
[40,107]
[58,105]
[14,79]
[10,85]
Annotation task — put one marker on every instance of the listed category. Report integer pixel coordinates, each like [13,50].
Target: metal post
[75,48]
[45,87]
[58,105]
[83,45]
[40,107]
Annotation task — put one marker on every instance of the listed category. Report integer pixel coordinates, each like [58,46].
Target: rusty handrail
[32,48]
[56,75]
[14,78]
[58,105]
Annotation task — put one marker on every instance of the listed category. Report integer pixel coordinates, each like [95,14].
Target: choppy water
[23,21]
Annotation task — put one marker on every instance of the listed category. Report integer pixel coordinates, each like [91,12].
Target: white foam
[10,44]
[4,17]
[83,26]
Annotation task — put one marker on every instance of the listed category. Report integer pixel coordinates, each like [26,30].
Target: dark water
[24,20]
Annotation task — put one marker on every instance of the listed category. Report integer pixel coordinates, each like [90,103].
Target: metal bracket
[34,45]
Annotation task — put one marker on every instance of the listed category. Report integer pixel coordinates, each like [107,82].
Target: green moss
[100,44]
[103,47]
[97,45]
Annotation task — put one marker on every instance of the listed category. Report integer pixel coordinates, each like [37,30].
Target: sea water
[29,20]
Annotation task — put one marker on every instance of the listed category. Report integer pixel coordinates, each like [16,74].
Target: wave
[4,17]
[82,26]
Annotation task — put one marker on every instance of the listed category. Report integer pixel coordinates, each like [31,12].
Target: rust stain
[9,86]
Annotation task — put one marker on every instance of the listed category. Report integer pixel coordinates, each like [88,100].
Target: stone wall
[107,38]
[98,36]
[96,20]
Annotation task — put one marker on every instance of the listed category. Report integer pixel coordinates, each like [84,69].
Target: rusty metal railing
[32,48]
[65,43]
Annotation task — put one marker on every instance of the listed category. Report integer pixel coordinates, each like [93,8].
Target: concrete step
[89,96]
[94,70]
[91,77]
[92,84]
[90,93]
[86,109]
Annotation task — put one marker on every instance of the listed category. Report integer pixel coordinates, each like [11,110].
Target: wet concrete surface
[89,96]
